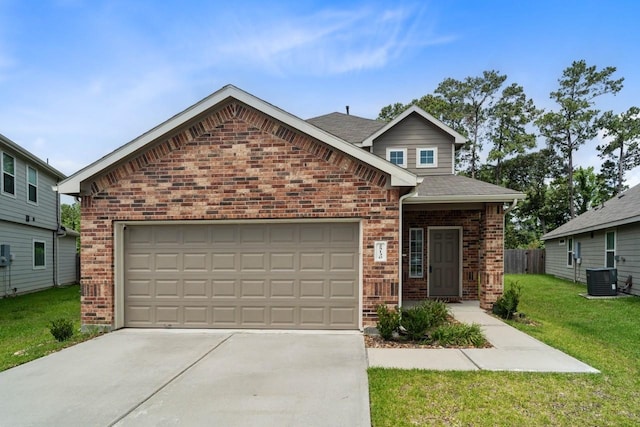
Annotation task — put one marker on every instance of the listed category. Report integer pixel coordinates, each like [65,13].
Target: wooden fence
[524,261]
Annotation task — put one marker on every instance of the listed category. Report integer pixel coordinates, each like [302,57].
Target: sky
[78,79]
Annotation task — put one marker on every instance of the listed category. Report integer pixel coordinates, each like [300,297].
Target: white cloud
[330,42]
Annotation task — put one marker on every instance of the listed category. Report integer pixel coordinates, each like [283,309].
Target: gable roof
[352,129]
[72,185]
[457,138]
[619,210]
[4,141]
[460,189]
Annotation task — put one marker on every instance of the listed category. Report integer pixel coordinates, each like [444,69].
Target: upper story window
[32,184]
[397,156]
[426,157]
[610,249]
[8,174]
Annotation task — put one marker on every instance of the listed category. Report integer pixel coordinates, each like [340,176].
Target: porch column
[492,259]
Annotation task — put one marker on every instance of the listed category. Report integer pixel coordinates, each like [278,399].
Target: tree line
[494,113]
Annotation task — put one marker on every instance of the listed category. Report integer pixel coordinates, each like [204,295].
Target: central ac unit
[602,281]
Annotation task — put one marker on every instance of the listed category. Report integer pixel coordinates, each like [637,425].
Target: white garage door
[281,276]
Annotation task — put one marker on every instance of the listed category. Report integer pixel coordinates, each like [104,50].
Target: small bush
[388,321]
[61,329]
[417,320]
[459,334]
[507,304]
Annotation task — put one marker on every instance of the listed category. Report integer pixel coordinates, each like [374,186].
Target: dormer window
[426,157]
[397,156]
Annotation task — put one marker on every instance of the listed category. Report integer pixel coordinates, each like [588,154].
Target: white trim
[493,198]
[607,250]
[570,245]
[460,254]
[15,170]
[36,184]
[419,164]
[360,274]
[72,185]
[395,150]
[457,138]
[33,254]
[421,229]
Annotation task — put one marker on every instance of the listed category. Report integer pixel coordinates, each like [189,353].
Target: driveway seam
[172,379]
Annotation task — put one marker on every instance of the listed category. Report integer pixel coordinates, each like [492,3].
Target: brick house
[237,214]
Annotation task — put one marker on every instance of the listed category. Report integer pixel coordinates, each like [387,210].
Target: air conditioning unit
[602,281]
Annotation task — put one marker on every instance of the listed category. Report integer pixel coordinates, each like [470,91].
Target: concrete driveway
[193,378]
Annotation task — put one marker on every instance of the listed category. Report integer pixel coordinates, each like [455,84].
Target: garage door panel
[289,276]
[196,289]
[283,288]
[224,288]
[253,289]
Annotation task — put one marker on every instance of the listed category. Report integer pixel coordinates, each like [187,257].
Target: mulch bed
[376,341]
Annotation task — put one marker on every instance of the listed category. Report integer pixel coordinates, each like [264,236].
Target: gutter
[512,207]
[400,201]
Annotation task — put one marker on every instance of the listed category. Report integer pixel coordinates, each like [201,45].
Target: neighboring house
[237,214]
[606,236]
[38,253]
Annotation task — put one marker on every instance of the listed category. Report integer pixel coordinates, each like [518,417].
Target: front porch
[453,252]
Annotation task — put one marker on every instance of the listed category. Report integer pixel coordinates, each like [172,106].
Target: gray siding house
[36,251]
[606,236]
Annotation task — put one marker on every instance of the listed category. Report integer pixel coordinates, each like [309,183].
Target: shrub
[61,329]
[507,304]
[459,334]
[417,320]
[388,321]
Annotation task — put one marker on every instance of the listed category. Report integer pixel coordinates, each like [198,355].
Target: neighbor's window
[32,184]
[561,242]
[570,252]
[397,156]
[8,174]
[426,157]
[416,249]
[610,249]
[39,255]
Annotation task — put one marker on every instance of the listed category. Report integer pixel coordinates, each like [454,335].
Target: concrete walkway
[512,351]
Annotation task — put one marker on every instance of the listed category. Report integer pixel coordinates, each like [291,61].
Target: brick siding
[236,164]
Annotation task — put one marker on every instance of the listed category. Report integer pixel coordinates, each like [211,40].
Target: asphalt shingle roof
[622,209]
[458,185]
[350,128]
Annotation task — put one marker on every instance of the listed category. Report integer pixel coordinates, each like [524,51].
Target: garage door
[281,276]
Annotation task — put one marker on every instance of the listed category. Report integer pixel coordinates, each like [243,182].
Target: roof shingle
[621,209]
[350,128]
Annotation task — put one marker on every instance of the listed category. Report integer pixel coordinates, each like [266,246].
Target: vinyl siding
[22,276]
[15,209]
[416,132]
[593,255]
[67,260]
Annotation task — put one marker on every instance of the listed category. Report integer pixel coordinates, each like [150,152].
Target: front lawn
[603,333]
[25,320]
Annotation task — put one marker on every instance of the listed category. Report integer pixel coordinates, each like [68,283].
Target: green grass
[603,333]
[25,321]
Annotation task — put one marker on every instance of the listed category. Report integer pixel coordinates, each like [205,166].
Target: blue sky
[80,78]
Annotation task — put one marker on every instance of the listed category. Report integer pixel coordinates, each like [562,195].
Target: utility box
[5,255]
[602,281]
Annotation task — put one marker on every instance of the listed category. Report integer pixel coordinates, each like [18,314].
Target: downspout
[401,200]
[55,238]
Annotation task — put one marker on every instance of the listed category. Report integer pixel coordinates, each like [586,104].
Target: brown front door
[444,262]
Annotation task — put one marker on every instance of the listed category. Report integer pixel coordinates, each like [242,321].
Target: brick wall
[492,260]
[237,164]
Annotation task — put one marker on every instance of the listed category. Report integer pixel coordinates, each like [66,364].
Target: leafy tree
[576,120]
[392,111]
[70,216]
[587,189]
[472,100]
[623,149]
[509,119]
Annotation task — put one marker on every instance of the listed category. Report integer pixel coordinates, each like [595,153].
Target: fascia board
[631,220]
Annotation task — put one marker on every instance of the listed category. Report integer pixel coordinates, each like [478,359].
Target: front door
[444,262]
